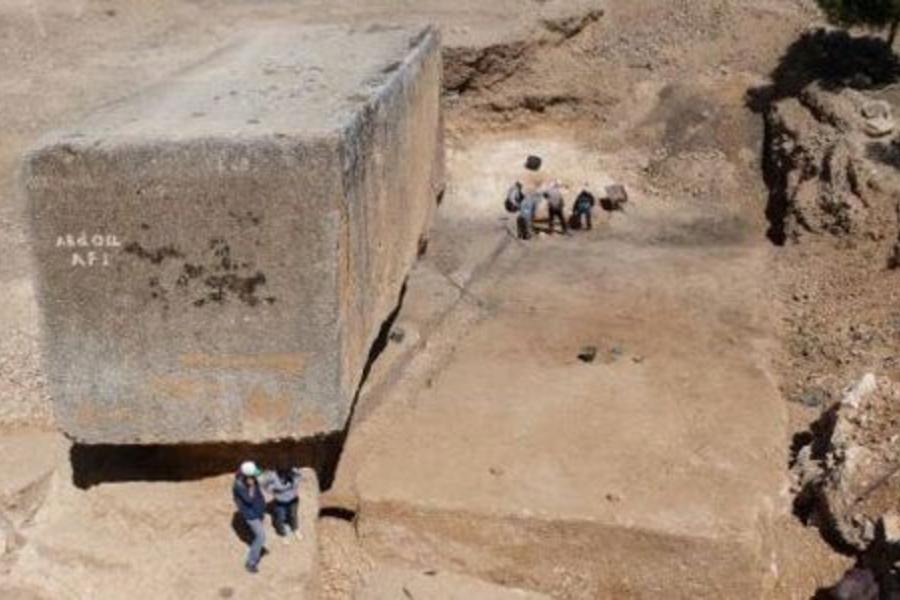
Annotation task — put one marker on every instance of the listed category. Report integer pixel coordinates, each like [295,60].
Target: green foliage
[870,13]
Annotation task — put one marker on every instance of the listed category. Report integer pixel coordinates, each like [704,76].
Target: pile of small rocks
[848,475]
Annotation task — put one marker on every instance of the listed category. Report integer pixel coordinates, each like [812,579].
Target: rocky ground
[743,134]
[829,162]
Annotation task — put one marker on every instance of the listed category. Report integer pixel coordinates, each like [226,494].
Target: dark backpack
[513,199]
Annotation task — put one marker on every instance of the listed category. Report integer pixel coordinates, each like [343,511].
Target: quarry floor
[496,451]
[482,450]
[485,460]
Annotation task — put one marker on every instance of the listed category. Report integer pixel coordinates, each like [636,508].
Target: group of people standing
[525,199]
[250,487]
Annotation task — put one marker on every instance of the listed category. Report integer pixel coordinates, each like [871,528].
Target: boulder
[878,119]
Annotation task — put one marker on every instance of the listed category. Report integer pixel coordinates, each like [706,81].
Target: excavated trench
[500,96]
[497,85]
[492,88]
[497,89]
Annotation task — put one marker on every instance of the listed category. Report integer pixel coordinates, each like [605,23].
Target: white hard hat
[249,469]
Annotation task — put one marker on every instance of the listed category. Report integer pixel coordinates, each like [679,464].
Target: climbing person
[581,209]
[514,197]
[556,205]
[527,210]
[251,504]
[284,484]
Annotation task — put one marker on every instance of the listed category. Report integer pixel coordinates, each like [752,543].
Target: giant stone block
[217,254]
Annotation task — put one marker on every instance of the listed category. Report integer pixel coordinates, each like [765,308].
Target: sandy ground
[144,539]
[540,438]
[651,95]
[677,431]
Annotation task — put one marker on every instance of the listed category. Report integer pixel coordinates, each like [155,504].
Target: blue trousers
[259,541]
[582,214]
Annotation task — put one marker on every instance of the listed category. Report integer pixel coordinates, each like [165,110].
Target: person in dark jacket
[581,210]
[284,485]
[251,504]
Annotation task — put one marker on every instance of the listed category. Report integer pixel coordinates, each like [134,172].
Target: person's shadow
[243,532]
[240,528]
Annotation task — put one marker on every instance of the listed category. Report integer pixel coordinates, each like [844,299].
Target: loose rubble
[848,475]
[820,153]
[827,150]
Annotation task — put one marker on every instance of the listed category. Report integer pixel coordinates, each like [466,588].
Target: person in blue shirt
[251,504]
[527,211]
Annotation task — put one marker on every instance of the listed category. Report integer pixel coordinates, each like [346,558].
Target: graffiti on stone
[86,249]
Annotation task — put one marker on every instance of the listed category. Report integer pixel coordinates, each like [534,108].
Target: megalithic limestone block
[217,254]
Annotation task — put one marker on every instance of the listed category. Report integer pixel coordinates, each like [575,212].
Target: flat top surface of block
[301,81]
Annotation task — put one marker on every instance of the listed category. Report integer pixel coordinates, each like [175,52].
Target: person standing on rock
[284,485]
[251,504]
[556,205]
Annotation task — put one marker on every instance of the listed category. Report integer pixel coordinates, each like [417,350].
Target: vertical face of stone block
[217,255]
[389,154]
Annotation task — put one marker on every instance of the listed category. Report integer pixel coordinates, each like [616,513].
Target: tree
[867,13]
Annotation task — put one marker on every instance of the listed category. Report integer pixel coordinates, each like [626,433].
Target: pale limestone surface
[216,254]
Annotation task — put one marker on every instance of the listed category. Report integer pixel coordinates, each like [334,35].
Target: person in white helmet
[251,504]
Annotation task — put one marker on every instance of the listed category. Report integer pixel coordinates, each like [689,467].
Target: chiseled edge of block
[424,60]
